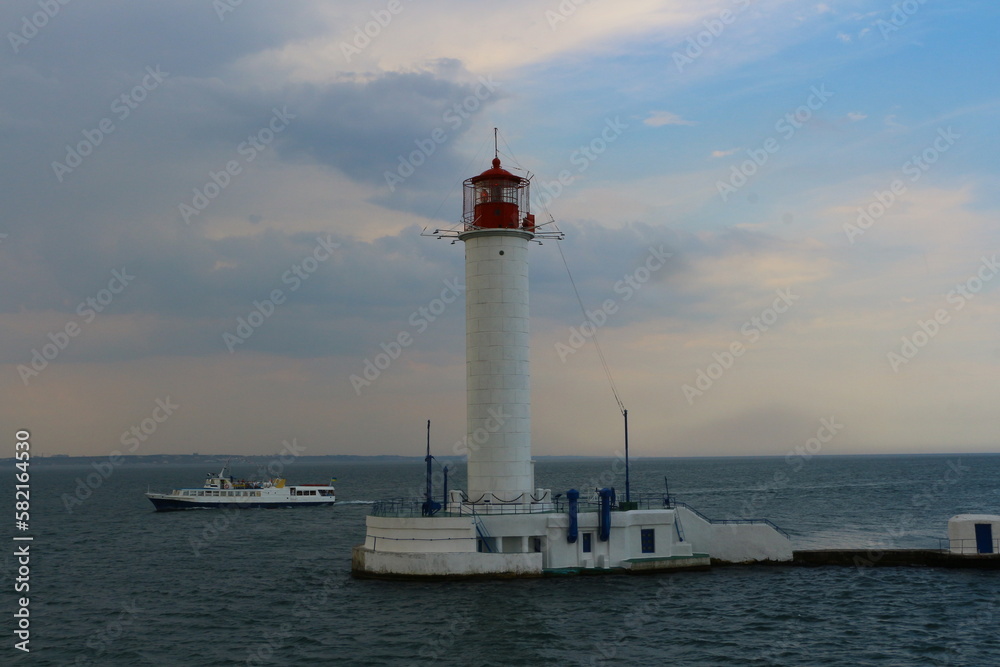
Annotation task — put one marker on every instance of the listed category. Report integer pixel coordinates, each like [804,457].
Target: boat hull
[167,503]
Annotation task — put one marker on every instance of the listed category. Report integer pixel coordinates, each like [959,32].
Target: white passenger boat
[224,490]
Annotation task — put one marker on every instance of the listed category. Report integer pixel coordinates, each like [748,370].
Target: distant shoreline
[238,459]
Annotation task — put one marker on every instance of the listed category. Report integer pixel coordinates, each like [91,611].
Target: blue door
[984,538]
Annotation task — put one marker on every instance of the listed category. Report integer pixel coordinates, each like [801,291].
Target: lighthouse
[501,525]
[497,228]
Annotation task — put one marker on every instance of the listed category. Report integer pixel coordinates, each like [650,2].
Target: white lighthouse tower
[501,525]
[497,228]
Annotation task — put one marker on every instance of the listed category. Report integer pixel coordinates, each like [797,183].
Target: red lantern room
[497,199]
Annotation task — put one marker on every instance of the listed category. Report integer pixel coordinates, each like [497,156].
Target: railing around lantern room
[481,195]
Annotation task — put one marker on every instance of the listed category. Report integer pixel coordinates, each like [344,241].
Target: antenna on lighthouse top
[496,147]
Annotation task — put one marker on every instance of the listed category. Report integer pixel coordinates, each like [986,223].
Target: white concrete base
[534,543]
[421,534]
[734,542]
[384,564]
[694,562]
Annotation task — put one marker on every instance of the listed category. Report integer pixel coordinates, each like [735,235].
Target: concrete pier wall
[893,558]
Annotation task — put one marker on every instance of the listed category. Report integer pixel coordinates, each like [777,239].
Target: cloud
[495,39]
[724,153]
[661,118]
[413,103]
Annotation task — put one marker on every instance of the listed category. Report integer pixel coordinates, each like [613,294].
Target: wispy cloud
[724,153]
[661,118]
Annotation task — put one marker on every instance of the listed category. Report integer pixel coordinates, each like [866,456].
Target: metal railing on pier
[732,521]
[416,507]
[967,546]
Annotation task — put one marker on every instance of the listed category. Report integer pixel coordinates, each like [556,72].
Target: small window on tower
[648,540]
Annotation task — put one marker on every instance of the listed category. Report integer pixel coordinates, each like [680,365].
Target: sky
[780,216]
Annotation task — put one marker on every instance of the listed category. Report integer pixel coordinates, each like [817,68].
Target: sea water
[114,583]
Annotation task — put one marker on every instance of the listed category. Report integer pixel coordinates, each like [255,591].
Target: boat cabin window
[587,537]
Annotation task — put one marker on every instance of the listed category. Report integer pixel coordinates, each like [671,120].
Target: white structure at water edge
[974,534]
[502,525]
